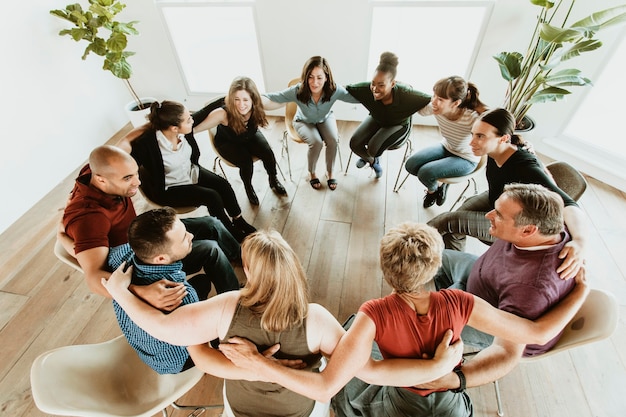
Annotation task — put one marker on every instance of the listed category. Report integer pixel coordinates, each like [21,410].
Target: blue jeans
[213,248]
[454,271]
[435,162]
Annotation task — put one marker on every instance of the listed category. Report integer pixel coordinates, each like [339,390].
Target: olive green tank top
[264,399]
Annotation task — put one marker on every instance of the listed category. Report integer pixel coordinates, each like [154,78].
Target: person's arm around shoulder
[349,356]
[269,104]
[499,323]
[126,142]
[573,253]
[190,324]
[216,117]
[164,295]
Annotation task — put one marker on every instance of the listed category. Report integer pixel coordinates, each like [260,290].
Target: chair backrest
[104,379]
[596,320]
[65,257]
[290,112]
[407,136]
[568,178]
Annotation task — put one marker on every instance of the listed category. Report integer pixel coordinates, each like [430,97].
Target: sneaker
[429,199]
[442,192]
[360,163]
[378,170]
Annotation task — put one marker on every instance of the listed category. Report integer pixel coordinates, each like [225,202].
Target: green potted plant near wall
[89,26]
[535,77]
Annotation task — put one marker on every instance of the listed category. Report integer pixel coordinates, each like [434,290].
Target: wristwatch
[461,376]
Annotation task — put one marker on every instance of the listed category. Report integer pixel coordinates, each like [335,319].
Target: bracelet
[462,381]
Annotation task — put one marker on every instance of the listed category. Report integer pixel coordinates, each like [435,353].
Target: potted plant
[88,27]
[534,77]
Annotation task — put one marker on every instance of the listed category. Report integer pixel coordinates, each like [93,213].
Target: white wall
[62,107]
[56,107]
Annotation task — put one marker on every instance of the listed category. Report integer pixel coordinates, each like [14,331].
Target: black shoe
[277,186]
[429,199]
[442,192]
[241,224]
[254,200]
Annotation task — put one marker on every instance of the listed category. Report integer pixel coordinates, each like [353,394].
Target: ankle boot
[241,224]
[254,200]
[277,186]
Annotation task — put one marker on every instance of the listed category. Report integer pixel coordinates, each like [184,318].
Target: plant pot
[136,115]
[527,124]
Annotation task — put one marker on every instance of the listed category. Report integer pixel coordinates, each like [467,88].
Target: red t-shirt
[401,333]
[95,219]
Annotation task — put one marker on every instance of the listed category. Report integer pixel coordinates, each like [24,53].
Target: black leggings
[211,191]
[240,152]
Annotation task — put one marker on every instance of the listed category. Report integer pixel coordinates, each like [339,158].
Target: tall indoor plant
[533,77]
[89,26]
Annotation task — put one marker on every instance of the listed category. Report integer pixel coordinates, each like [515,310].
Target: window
[408,31]
[596,120]
[213,43]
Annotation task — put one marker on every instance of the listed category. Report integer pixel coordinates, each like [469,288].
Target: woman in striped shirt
[456,106]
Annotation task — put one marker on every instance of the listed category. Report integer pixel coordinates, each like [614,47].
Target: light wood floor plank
[336,235]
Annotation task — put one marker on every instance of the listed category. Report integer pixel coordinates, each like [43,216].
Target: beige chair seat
[596,320]
[103,380]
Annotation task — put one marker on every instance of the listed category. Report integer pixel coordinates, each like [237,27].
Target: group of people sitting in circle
[281,355]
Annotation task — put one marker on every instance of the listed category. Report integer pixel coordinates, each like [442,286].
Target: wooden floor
[46,304]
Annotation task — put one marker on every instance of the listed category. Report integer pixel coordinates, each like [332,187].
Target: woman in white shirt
[456,106]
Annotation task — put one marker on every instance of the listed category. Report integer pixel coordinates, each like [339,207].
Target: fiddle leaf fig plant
[104,35]
[534,77]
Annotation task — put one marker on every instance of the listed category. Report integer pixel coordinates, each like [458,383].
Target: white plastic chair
[596,320]
[106,380]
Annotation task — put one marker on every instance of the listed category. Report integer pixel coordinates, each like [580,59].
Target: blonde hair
[410,255]
[278,290]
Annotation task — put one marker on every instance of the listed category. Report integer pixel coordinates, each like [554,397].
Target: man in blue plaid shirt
[158,241]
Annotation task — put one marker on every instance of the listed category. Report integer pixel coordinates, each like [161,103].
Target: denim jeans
[435,162]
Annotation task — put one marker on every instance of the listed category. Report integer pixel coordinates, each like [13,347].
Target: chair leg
[281,171]
[407,151]
[285,149]
[498,399]
[406,177]
[348,164]
[339,154]
[219,163]
[462,195]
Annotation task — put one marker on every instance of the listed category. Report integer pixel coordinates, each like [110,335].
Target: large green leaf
[579,48]
[546,4]
[548,94]
[555,34]
[120,68]
[117,42]
[510,64]
[604,18]
[567,77]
